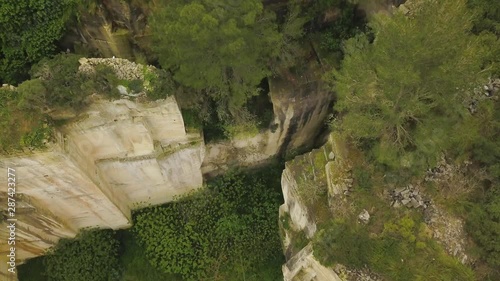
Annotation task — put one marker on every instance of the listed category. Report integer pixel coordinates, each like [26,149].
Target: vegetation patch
[403,251]
[91,256]
[227,231]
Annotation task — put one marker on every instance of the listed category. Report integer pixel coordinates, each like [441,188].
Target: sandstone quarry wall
[114,157]
[119,155]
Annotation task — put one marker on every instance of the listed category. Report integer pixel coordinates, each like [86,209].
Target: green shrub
[362,177]
[32,270]
[247,39]
[21,122]
[342,243]
[343,28]
[62,81]
[91,256]
[136,86]
[227,230]
[191,119]
[160,84]
[29,31]
[402,252]
[103,81]
[483,224]
[133,260]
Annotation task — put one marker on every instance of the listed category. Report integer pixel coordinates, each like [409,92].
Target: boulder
[364,216]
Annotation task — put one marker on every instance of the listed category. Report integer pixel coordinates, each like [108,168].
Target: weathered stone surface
[120,155]
[317,168]
[123,68]
[300,217]
[408,196]
[304,267]
[338,173]
[115,156]
[364,216]
[300,105]
[449,231]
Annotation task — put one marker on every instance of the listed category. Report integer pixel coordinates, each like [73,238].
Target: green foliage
[136,266]
[362,177]
[290,50]
[227,231]
[32,270]
[65,86]
[217,48]
[56,84]
[481,133]
[487,16]
[191,120]
[405,91]
[343,28]
[339,243]
[483,224]
[160,84]
[91,256]
[29,30]
[402,252]
[22,123]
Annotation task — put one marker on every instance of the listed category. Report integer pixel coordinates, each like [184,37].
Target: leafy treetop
[404,93]
[29,30]
[221,47]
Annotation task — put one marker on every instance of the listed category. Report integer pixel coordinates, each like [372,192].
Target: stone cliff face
[309,183]
[114,157]
[112,28]
[119,155]
[301,105]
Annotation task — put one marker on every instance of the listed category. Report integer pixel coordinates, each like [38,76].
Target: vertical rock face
[120,155]
[114,157]
[301,105]
[304,267]
[309,181]
[112,28]
[300,216]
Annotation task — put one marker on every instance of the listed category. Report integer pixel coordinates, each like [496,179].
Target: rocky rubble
[364,216]
[408,196]
[444,172]
[364,274]
[8,87]
[124,69]
[487,91]
[448,231]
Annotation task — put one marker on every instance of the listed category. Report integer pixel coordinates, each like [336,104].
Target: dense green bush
[487,16]
[483,224]
[347,25]
[227,231]
[134,263]
[65,86]
[405,91]
[246,37]
[32,270]
[91,256]
[56,84]
[160,84]
[29,31]
[362,176]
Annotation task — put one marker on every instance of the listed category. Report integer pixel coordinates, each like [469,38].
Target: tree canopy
[29,31]
[221,48]
[405,93]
